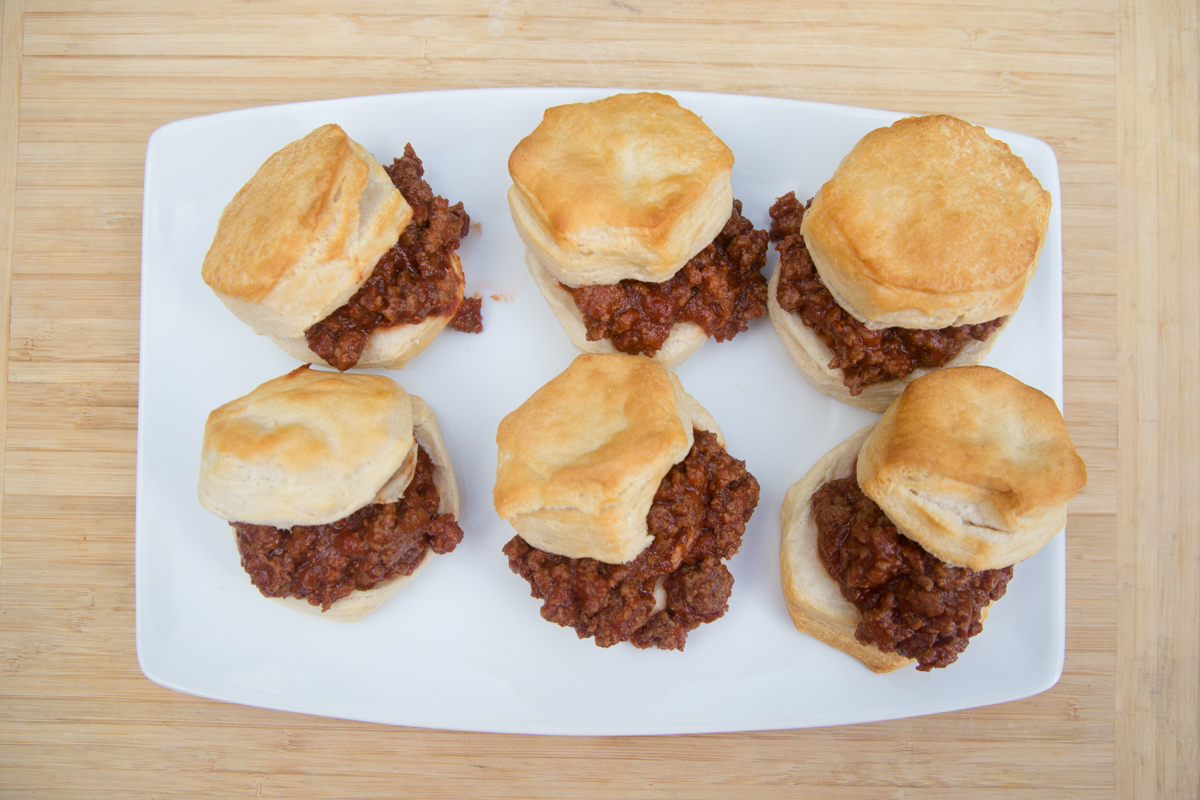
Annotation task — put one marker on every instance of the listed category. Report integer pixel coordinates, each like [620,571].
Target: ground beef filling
[697,519]
[324,563]
[911,603]
[469,317]
[864,356]
[413,280]
[721,289]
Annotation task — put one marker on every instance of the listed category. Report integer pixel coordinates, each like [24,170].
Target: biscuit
[627,187]
[307,448]
[973,465]
[313,447]
[580,461]
[304,233]
[927,224]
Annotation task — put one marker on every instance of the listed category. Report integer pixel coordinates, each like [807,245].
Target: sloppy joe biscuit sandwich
[911,257]
[624,501]
[338,488]
[897,541]
[342,262]
[632,233]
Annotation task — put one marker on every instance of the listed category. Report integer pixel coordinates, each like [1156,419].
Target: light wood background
[1111,84]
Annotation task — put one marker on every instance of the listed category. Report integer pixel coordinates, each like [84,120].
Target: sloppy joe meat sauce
[697,519]
[911,602]
[720,289]
[865,356]
[324,563]
[413,280]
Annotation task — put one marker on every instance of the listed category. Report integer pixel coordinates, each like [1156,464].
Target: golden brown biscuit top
[302,207]
[309,447]
[973,435]
[631,161]
[931,213]
[606,426]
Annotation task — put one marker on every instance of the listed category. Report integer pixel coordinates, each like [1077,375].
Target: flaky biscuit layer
[307,448]
[928,223]
[973,465]
[301,236]
[630,186]
[580,461]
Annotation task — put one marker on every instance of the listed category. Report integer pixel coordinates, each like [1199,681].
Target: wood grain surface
[1111,86]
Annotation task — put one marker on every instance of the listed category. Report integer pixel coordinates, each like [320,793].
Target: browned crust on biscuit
[973,465]
[309,447]
[300,237]
[579,461]
[928,223]
[629,186]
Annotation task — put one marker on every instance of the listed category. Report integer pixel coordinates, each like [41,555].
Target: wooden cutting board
[1113,88]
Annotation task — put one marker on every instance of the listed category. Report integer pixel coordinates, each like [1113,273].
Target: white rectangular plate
[463,646]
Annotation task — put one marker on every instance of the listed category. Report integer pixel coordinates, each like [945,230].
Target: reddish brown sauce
[324,563]
[697,519]
[721,289]
[864,356]
[469,317]
[413,280]
[911,603]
